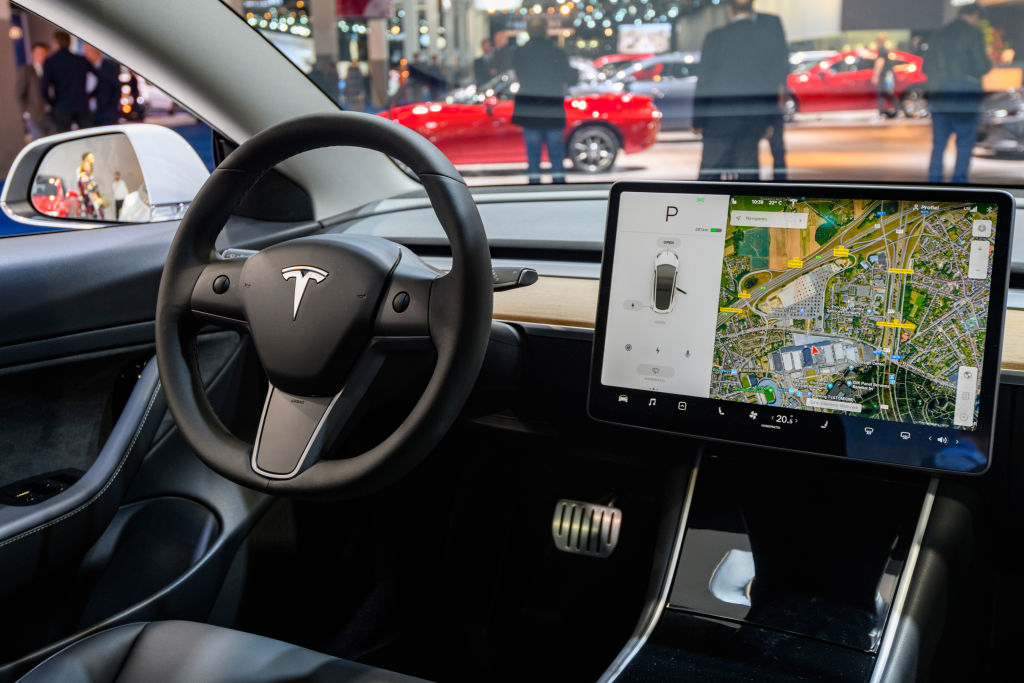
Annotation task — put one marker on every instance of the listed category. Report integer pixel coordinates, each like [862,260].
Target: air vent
[586,528]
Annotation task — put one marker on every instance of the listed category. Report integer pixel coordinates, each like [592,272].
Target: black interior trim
[275,197]
[115,338]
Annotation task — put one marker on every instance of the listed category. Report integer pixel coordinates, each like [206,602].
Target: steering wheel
[324,313]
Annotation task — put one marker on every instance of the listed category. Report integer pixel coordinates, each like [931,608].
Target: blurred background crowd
[855,90]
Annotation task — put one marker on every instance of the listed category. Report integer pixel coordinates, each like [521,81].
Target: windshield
[918,91]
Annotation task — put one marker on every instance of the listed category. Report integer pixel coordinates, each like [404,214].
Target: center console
[860,324]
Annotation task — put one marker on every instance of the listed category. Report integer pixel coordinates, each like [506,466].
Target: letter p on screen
[671,211]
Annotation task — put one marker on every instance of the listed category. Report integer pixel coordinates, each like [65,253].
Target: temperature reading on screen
[784,420]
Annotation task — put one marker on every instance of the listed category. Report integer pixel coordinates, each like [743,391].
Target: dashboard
[837,320]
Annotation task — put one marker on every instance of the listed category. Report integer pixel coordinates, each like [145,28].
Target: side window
[53,82]
[846,65]
[866,64]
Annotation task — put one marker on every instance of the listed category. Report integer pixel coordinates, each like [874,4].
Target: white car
[666,270]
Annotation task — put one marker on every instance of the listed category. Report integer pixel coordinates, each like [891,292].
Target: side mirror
[132,173]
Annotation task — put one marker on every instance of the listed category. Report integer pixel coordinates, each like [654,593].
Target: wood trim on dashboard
[1013,340]
[573,302]
[551,300]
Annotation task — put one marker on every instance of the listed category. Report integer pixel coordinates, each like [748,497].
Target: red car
[843,81]
[611,59]
[48,197]
[475,126]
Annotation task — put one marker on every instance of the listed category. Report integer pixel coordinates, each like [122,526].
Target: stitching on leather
[99,494]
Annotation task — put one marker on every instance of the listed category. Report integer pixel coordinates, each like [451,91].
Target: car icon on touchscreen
[869,430]
[666,268]
[623,398]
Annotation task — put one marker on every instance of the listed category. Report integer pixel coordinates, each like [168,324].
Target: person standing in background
[355,93]
[34,107]
[544,77]
[740,85]
[105,93]
[91,203]
[772,24]
[884,79]
[437,79]
[504,51]
[120,190]
[918,44]
[63,85]
[483,66]
[955,62]
[416,84]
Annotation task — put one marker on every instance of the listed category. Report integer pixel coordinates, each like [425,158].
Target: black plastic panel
[147,546]
[688,647]
[815,553]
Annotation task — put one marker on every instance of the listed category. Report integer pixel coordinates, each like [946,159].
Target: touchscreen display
[830,319]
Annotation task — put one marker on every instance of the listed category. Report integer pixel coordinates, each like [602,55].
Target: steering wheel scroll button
[401,302]
[221,284]
[217,294]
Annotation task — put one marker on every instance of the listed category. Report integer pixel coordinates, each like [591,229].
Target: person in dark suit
[742,75]
[106,93]
[776,121]
[34,108]
[63,85]
[884,79]
[544,78]
[504,51]
[954,63]
[483,66]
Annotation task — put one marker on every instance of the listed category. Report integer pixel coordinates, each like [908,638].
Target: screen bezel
[601,404]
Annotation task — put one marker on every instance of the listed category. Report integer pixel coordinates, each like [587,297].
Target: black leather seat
[180,651]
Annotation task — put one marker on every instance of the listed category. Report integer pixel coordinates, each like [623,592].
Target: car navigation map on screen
[870,308]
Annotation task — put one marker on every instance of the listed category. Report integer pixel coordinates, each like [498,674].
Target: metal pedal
[586,528]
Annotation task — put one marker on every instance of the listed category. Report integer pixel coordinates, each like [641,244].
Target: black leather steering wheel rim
[460,307]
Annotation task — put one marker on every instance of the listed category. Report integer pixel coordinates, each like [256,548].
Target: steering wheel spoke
[217,296]
[295,431]
[404,317]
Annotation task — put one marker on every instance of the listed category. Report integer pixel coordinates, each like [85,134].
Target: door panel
[73,416]
[58,417]
[60,559]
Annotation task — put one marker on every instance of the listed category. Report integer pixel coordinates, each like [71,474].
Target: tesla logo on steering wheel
[302,275]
